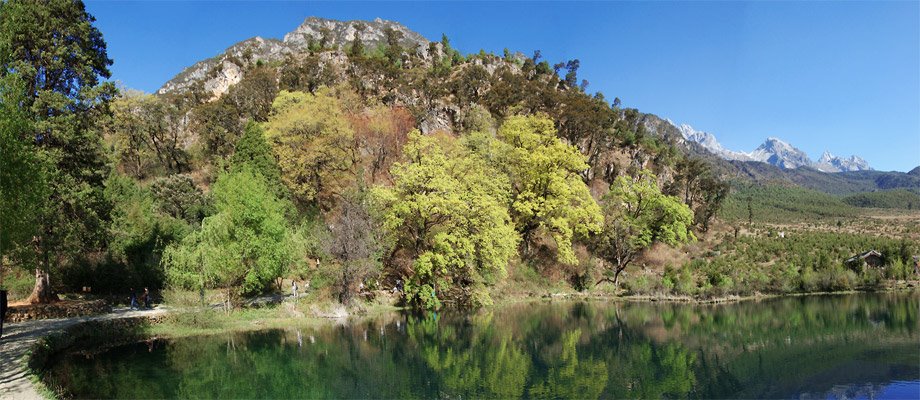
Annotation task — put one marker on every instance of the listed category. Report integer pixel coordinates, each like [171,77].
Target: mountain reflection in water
[841,346]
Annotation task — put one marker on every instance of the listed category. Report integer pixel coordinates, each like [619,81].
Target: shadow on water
[861,345]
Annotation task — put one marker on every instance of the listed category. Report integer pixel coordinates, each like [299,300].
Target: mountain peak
[774,151]
[777,152]
[339,34]
[218,73]
[831,163]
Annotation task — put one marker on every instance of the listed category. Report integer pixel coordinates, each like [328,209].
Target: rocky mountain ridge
[218,73]
[774,151]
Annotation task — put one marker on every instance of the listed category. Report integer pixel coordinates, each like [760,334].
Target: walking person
[146,298]
[133,299]
[293,288]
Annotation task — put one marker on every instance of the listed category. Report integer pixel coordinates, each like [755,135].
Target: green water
[848,346]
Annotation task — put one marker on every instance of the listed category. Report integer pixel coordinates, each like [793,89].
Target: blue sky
[837,76]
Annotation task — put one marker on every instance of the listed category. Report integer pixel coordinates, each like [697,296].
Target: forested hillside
[353,155]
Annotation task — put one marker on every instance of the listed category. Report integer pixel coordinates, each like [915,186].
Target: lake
[833,346]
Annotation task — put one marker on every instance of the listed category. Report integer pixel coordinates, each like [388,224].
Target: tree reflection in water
[805,346]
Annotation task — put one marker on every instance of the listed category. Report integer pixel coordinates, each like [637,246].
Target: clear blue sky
[837,76]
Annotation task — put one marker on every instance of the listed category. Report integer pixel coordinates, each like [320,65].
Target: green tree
[218,125]
[60,56]
[357,45]
[696,183]
[242,248]
[137,234]
[253,151]
[394,49]
[447,212]
[314,144]
[547,192]
[637,215]
[177,196]
[22,176]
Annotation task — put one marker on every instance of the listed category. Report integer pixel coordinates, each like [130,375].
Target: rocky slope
[215,75]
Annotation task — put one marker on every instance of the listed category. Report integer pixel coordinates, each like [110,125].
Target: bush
[199,319]
[640,285]
[19,282]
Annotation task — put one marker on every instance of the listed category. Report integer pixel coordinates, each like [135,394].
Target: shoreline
[38,342]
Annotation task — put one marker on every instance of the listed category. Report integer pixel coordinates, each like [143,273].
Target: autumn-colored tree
[381,133]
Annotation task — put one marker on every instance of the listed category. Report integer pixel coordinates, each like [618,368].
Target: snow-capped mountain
[831,163]
[773,151]
[708,141]
[781,154]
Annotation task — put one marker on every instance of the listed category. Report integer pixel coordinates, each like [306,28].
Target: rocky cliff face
[216,75]
[341,34]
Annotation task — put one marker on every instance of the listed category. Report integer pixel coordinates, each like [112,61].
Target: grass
[306,312]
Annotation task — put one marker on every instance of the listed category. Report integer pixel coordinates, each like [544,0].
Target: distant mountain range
[774,152]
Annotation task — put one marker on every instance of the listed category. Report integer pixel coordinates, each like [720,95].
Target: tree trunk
[42,293]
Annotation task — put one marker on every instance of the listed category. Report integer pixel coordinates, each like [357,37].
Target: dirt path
[18,338]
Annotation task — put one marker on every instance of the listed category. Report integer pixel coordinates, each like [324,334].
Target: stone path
[18,338]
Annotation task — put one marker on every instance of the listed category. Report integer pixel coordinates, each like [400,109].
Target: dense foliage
[900,198]
[637,215]
[357,168]
[244,246]
[448,215]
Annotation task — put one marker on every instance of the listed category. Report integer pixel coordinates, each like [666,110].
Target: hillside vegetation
[395,164]
[780,203]
[899,198]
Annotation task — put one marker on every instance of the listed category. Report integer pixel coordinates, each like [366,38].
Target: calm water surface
[849,346]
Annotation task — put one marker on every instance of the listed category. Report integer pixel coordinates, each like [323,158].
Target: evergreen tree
[59,55]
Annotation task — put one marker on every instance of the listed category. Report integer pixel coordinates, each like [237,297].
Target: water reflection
[854,346]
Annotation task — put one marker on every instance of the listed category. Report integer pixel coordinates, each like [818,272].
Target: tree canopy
[243,247]
[447,211]
[314,144]
[637,215]
[547,191]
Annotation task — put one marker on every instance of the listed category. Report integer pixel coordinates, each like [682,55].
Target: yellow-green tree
[636,215]
[447,212]
[547,192]
[314,144]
